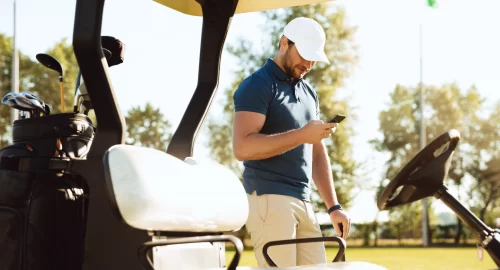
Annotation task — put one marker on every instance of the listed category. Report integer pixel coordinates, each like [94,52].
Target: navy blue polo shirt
[287,104]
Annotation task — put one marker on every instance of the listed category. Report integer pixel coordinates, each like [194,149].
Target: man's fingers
[345,231]
[331,125]
[337,229]
[330,130]
[341,229]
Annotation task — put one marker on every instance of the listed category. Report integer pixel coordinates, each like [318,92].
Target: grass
[402,258]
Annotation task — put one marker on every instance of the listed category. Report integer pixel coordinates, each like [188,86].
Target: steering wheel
[423,175]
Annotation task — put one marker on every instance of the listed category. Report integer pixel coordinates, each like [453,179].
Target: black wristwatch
[333,208]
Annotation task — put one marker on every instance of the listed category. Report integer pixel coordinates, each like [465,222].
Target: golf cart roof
[192,7]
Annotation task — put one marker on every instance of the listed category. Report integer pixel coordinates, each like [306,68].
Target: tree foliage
[37,79]
[341,51]
[148,127]
[45,82]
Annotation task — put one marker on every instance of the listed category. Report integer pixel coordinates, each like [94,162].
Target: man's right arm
[251,102]
[249,144]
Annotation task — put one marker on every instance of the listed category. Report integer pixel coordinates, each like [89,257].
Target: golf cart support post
[109,243]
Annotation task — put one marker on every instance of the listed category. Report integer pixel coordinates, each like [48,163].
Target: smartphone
[337,119]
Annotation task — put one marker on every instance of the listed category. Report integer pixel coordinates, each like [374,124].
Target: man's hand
[316,130]
[340,217]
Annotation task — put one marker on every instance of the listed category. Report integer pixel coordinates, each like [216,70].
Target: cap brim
[312,55]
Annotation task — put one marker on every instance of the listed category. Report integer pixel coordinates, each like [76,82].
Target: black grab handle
[339,257]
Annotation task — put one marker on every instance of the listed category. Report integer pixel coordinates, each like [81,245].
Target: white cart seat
[153,190]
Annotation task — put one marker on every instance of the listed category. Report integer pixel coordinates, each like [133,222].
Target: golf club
[13,100]
[47,109]
[53,64]
[107,54]
[81,102]
[23,114]
[36,101]
[117,49]
[23,101]
[8,97]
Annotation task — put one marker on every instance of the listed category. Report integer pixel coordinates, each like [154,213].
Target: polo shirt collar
[278,72]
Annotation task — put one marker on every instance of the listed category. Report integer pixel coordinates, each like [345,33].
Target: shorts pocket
[262,206]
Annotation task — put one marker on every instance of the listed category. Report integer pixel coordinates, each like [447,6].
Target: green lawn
[402,258]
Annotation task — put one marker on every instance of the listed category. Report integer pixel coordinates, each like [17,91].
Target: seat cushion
[153,190]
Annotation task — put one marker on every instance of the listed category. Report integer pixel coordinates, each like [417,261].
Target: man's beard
[286,65]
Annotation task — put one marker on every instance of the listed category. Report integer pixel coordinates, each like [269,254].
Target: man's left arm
[323,178]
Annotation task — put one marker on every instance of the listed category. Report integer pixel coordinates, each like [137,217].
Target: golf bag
[43,208]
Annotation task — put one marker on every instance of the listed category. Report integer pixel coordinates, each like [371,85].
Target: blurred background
[384,54]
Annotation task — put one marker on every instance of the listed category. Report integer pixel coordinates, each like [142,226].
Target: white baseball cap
[309,38]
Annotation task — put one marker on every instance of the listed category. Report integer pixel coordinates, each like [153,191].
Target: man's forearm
[322,175]
[261,146]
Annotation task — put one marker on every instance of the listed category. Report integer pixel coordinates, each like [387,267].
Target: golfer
[279,137]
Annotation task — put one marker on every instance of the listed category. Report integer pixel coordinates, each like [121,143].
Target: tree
[325,79]
[448,108]
[148,127]
[35,78]
[44,82]
[485,190]
[5,85]
[145,127]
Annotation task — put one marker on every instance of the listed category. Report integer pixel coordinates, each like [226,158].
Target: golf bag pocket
[11,232]
[42,221]
[14,196]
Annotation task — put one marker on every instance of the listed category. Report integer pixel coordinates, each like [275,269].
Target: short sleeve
[253,95]
[315,96]
[316,100]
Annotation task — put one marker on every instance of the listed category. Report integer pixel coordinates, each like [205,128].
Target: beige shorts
[279,217]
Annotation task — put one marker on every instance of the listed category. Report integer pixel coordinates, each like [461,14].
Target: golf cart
[128,190]
[129,208]
[140,199]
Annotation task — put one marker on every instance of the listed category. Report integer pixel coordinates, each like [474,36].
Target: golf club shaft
[61,89]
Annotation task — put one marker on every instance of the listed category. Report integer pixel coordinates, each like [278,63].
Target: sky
[460,45]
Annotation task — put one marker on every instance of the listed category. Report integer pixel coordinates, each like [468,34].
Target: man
[278,135]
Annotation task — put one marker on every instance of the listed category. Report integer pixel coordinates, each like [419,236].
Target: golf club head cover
[116,47]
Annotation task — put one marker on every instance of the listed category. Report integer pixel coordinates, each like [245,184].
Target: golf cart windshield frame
[217,17]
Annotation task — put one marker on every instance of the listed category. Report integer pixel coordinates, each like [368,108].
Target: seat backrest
[155,191]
